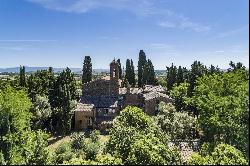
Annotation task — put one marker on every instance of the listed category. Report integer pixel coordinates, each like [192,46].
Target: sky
[59,33]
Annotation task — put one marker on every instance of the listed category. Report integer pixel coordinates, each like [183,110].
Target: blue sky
[60,33]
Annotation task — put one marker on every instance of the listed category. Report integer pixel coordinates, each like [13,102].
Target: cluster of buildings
[104,98]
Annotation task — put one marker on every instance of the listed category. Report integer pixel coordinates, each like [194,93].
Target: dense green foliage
[222,101]
[178,125]
[149,149]
[62,101]
[222,154]
[14,111]
[18,143]
[27,147]
[40,83]
[179,94]
[131,129]
[63,153]
[41,113]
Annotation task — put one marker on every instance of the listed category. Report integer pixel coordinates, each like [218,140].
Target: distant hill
[34,69]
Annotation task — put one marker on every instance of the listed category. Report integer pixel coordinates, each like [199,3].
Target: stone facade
[103,99]
[84,116]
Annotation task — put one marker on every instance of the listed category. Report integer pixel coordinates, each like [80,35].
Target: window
[80,121]
[157,107]
[89,121]
[105,112]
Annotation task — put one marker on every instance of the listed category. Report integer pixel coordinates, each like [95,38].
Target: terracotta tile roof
[101,101]
[150,88]
[152,95]
[84,107]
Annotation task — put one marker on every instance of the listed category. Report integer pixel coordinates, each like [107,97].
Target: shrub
[107,159]
[178,125]
[127,136]
[77,141]
[2,161]
[150,150]
[91,150]
[63,153]
[95,136]
[223,154]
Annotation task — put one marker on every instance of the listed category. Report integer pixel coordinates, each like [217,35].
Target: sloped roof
[132,90]
[100,101]
[146,89]
[154,94]
[151,88]
[84,107]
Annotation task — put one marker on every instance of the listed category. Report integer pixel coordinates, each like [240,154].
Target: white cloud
[142,7]
[161,46]
[231,32]
[145,8]
[167,24]
[182,22]
[108,38]
[219,51]
[16,47]
[17,41]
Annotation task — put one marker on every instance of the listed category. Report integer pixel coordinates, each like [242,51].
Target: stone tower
[114,71]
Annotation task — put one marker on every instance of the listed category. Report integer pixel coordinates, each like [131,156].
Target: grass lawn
[56,141]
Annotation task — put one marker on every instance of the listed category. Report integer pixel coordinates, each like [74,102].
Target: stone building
[103,99]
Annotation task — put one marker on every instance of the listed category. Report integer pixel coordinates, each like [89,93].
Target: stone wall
[101,88]
[133,100]
[82,119]
[152,104]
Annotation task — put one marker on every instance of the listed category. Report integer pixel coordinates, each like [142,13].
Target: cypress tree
[180,76]
[141,65]
[120,68]
[64,92]
[132,73]
[185,74]
[128,71]
[151,79]
[22,78]
[197,70]
[171,76]
[87,70]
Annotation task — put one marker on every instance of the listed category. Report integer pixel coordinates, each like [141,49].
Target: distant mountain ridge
[34,69]
[56,69]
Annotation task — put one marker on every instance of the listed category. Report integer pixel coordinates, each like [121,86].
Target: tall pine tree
[87,70]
